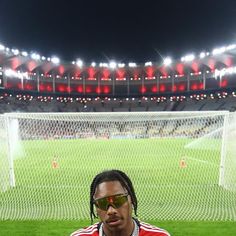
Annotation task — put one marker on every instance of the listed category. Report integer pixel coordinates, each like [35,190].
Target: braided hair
[112,175]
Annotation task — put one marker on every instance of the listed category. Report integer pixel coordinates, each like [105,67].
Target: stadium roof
[218,58]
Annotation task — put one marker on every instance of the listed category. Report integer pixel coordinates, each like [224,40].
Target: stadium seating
[13,104]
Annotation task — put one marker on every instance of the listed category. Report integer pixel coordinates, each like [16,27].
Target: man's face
[114,219]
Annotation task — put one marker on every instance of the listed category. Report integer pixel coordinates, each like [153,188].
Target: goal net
[4,163]
[182,164]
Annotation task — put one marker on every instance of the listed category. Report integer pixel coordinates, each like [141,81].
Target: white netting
[229,161]
[4,164]
[182,164]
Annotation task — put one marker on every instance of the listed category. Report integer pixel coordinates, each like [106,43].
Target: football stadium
[170,126]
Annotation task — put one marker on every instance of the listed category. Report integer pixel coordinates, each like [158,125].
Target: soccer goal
[182,164]
[4,158]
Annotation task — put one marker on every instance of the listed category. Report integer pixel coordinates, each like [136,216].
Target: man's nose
[111,210]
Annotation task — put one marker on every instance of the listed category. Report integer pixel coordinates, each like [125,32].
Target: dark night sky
[121,30]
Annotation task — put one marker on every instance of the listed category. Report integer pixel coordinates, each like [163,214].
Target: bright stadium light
[188,58]
[112,65]
[12,73]
[15,52]
[49,59]
[103,65]
[132,64]
[121,65]
[55,60]
[231,47]
[149,63]
[225,71]
[24,53]
[93,64]
[167,61]
[218,51]
[9,73]
[79,63]
[202,55]
[2,47]
[43,58]
[35,56]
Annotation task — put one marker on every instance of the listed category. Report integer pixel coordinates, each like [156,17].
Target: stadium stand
[140,88]
[28,103]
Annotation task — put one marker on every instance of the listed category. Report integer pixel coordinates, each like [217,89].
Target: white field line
[199,160]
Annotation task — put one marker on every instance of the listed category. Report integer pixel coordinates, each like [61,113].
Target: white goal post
[182,164]
[4,158]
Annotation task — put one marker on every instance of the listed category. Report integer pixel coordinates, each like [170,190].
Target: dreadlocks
[112,175]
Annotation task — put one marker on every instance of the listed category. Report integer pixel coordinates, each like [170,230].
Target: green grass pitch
[186,200]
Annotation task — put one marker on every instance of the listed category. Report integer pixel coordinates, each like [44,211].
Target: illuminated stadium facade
[34,83]
[213,71]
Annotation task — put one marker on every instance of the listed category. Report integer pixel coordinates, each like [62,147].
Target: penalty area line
[200,161]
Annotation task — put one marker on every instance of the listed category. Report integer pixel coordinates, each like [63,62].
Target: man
[114,197]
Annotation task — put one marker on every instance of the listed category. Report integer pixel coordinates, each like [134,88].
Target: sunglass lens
[114,201]
[102,204]
[119,201]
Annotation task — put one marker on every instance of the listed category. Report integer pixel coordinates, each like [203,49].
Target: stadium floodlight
[2,47]
[112,65]
[167,61]
[43,58]
[218,51]
[202,55]
[24,53]
[93,64]
[188,58]
[8,72]
[219,73]
[55,60]
[225,71]
[12,73]
[132,64]
[79,62]
[35,56]
[149,63]
[231,47]
[49,59]
[15,52]
[103,65]
[121,65]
